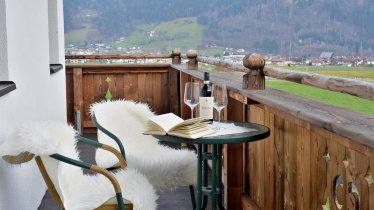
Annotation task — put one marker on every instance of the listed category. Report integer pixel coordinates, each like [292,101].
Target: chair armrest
[121,159]
[97,169]
[89,141]
[111,135]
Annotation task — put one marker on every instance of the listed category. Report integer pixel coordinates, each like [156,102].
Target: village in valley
[233,55]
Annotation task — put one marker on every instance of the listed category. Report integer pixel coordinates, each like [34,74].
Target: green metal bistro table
[214,190]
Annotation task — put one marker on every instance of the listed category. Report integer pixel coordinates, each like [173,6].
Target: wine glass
[192,95]
[219,93]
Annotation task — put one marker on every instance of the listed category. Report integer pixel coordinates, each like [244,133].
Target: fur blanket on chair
[165,167]
[77,190]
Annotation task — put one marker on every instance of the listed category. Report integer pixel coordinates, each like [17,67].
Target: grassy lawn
[327,68]
[366,73]
[211,52]
[77,35]
[325,96]
[183,33]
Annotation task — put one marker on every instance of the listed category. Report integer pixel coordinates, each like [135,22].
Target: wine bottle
[206,99]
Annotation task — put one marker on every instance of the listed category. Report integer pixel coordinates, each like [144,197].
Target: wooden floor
[175,200]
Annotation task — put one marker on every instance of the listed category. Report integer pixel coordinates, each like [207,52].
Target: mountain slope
[183,33]
[289,27]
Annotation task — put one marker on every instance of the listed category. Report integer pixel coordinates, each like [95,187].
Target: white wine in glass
[192,95]
[220,101]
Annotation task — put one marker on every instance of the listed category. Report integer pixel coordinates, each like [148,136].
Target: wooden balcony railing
[316,156]
[120,56]
[344,85]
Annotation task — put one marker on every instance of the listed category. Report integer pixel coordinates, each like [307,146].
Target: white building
[31,38]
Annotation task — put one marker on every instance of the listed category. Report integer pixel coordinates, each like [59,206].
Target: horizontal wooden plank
[237,97]
[120,70]
[222,63]
[356,126]
[119,56]
[150,67]
[354,87]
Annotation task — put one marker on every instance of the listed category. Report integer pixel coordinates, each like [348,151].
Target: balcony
[318,156]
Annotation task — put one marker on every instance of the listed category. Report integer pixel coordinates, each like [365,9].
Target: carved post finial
[176,56]
[255,78]
[254,61]
[192,56]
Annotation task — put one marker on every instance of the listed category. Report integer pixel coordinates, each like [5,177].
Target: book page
[190,131]
[153,128]
[194,135]
[166,121]
[186,123]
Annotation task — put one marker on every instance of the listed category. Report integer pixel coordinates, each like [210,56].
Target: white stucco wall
[56,31]
[3,46]
[39,95]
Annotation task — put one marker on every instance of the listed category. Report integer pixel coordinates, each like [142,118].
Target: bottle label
[206,107]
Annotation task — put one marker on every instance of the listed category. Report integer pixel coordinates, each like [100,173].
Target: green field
[211,52]
[183,33]
[78,35]
[325,96]
[86,30]
[366,73]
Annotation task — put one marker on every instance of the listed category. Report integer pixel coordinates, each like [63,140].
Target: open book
[171,124]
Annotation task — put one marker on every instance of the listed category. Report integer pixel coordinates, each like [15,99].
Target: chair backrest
[49,174]
[54,145]
[39,140]
[48,171]
[22,157]
[125,119]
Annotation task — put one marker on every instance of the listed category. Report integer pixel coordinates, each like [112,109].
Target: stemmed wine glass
[192,95]
[219,93]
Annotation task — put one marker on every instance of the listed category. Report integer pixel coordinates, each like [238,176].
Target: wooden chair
[121,125]
[53,172]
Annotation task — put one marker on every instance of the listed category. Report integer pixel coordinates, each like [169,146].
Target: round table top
[260,132]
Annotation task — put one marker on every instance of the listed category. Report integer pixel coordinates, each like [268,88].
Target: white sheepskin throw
[165,167]
[77,190]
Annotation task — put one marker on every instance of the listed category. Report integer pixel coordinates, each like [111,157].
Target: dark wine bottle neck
[206,76]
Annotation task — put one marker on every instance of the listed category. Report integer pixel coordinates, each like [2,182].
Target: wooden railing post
[173,77]
[192,62]
[176,56]
[78,98]
[255,78]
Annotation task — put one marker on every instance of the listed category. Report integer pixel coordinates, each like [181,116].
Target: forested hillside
[288,27]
